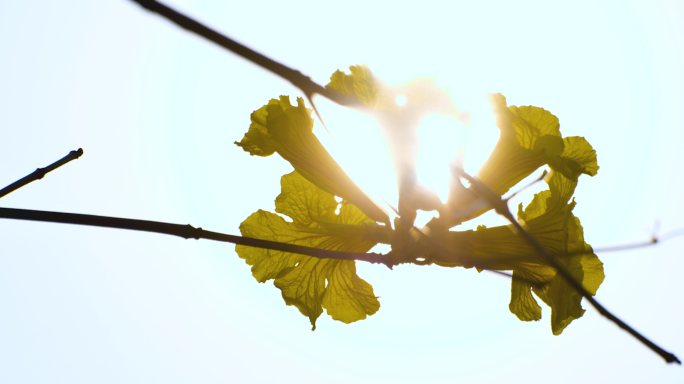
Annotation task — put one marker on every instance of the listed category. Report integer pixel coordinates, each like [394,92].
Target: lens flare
[440,140]
[358,146]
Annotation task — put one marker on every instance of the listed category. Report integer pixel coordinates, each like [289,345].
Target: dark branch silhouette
[501,207]
[190,232]
[40,173]
[295,77]
[186,232]
[535,284]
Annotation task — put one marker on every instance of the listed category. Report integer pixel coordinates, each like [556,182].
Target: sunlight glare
[482,134]
[401,100]
[440,140]
[358,146]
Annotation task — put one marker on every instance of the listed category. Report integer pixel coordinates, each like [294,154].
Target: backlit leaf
[568,238]
[530,138]
[286,129]
[309,283]
[523,305]
[578,157]
[549,219]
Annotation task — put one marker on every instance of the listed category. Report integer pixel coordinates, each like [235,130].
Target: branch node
[39,173]
[192,232]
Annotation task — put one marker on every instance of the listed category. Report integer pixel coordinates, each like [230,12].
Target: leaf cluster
[530,138]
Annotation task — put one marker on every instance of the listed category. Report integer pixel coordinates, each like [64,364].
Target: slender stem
[533,182]
[501,208]
[295,77]
[535,284]
[40,173]
[614,248]
[186,232]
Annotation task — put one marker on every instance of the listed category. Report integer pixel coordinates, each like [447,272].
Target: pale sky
[157,110]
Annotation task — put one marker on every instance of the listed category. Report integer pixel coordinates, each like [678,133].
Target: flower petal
[309,283]
[286,129]
[549,219]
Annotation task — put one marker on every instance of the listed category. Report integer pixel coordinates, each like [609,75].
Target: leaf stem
[40,173]
[186,232]
[501,207]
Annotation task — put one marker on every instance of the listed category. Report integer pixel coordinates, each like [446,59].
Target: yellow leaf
[309,283]
[286,129]
[549,219]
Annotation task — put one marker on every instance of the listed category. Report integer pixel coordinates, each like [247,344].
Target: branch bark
[40,173]
[501,207]
[294,76]
[186,232]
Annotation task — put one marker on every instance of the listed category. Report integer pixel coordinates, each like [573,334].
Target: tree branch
[501,207]
[614,248]
[40,173]
[186,232]
[295,77]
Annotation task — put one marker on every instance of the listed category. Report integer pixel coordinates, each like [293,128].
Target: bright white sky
[157,110]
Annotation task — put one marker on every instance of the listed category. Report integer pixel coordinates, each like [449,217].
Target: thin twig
[612,248]
[186,232]
[190,232]
[295,77]
[40,173]
[670,235]
[533,182]
[535,284]
[501,207]
[441,247]
[654,240]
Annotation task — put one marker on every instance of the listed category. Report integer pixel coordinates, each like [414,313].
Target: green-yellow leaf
[362,85]
[577,158]
[523,304]
[422,95]
[286,129]
[549,219]
[586,268]
[309,283]
[530,138]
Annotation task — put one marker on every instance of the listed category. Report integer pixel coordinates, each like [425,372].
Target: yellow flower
[549,219]
[286,129]
[309,283]
[399,125]
[530,138]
